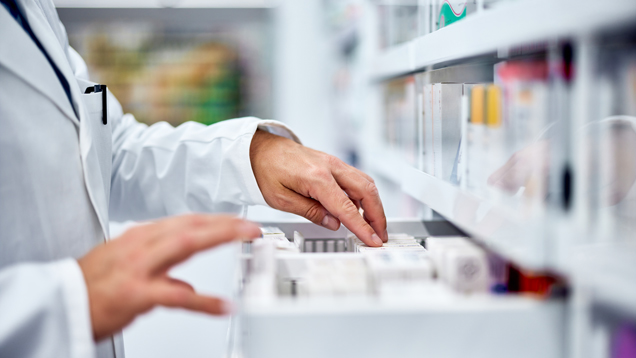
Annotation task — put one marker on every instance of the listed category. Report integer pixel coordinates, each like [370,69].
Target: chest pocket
[100,133]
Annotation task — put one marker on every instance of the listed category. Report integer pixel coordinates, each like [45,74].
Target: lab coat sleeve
[161,170]
[44,311]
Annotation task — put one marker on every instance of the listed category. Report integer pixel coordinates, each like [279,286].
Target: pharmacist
[70,161]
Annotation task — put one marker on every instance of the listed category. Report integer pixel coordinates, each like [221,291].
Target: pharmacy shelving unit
[601,271]
[565,238]
[490,32]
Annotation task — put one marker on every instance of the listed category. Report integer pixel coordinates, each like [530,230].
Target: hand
[528,167]
[317,186]
[128,276]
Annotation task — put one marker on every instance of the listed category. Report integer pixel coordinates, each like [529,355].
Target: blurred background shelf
[579,239]
[506,25]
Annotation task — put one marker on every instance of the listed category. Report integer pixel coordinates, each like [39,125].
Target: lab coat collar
[20,55]
[42,29]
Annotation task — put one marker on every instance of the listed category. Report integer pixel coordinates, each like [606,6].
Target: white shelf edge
[609,271]
[398,60]
[497,227]
[511,24]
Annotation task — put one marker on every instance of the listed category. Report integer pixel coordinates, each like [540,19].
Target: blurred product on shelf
[399,272]
[613,132]
[401,21]
[459,263]
[277,237]
[402,266]
[299,241]
[475,136]
[317,276]
[507,136]
[624,341]
[539,284]
[442,130]
[398,22]
[499,277]
[261,283]
[400,117]
[396,242]
[450,11]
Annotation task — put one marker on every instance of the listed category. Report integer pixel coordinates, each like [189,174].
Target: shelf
[510,24]
[491,222]
[606,269]
[609,272]
[398,60]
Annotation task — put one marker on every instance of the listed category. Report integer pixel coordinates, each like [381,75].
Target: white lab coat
[62,179]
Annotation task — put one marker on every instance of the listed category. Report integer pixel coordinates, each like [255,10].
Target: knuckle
[280,200]
[179,297]
[196,220]
[372,189]
[314,213]
[332,161]
[318,173]
[348,206]
[186,242]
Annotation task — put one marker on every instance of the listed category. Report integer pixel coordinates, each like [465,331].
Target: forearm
[161,170]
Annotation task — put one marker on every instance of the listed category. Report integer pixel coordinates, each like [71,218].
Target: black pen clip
[102,89]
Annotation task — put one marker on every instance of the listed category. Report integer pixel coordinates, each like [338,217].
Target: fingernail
[376,240]
[329,222]
[227,308]
[386,236]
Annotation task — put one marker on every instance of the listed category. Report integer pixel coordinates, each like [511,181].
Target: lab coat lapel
[90,160]
[20,55]
[43,31]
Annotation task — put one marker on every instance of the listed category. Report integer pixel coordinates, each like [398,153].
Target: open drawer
[353,318]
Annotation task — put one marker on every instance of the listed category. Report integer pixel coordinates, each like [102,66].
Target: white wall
[302,72]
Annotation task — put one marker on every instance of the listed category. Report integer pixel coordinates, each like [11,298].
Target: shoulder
[47,9]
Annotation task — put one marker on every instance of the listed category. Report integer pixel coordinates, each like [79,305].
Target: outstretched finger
[331,196]
[176,296]
[360,189]
[178,282]
[290,201]
[172,249]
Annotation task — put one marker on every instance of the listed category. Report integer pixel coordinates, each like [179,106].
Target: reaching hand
[317,186]
[128,276]
[529,167]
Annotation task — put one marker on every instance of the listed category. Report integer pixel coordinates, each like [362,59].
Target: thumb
[309,209]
